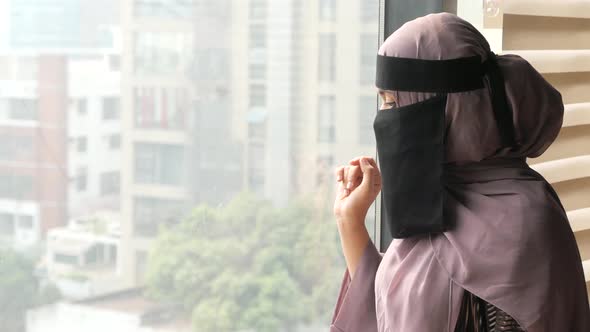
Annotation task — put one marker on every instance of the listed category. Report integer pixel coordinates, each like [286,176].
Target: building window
[162,53]
[6,225]
[258,9]
[65,259]
[109,183]
[368,49]
[367,112]
[159,164]
[82,106]
[81,179]
[114,142]
[151,213]
[327,10]
[257,71]
[162,108]
[369,11]
[326,120]
[257,37]
[81,144]
[257,95]
[25,222]
[164,8]
[327,57]
[16,147]
[16,186]
[110,108]
[20,109]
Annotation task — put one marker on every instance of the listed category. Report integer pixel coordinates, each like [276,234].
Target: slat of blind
[558,8]
[564,169]
[577,115]
[556,61]
[545,33]
[579,219]
[574,87]
[571,142]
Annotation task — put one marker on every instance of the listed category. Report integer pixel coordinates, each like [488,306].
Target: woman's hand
[359,184]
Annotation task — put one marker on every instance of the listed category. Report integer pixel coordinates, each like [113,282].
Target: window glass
[327,57]
[326,119]
[161,108]
[110,108]
[179,155]
[159,164]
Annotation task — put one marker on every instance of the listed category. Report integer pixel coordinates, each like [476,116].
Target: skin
[359,183]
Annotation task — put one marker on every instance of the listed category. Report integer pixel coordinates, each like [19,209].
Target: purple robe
[512,244]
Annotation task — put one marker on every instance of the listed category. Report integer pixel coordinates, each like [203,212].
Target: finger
[368,173]
[354,176]
[339,172]
[340,192]
[371,160]
[345,176]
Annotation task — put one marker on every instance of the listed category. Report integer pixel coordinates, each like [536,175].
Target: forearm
[353,238]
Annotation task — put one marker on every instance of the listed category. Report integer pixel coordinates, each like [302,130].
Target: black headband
[448,76]
[444,76]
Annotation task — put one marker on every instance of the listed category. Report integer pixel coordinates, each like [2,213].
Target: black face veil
[411,139]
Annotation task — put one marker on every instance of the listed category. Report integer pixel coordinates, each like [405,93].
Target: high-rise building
[225,96]
[32,150]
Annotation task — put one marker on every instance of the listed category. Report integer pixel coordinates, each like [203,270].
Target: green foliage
[250,266]
[19,290]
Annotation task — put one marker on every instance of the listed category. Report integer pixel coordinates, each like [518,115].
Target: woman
[504,246]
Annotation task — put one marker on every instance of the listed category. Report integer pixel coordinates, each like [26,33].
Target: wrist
[350,224]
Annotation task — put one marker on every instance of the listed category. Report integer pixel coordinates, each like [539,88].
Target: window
[368,49]
[326,125]
[162,53]
[327,10]
[162,108]
[65,259]
[109,183]
[114,142]
[327,57]
[257,95]
[25,222]
[368,13]
[22,109]
[151,213]
[367,112]
[6,224]
[82,106]
[257,71]
[81,179]
[16,147]
[257,36]
[164,8]
[110,108]
[16,186]
[159,164]
[81,144]
[258,9]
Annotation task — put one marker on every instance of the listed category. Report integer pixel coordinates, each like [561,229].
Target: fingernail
[348,185]
[339,178]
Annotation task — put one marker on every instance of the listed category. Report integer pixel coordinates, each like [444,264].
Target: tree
[20,290]
[249,266]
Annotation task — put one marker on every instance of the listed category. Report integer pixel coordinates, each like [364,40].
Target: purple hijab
[512,244]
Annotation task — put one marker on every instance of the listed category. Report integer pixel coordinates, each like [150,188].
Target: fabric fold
[355,308]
